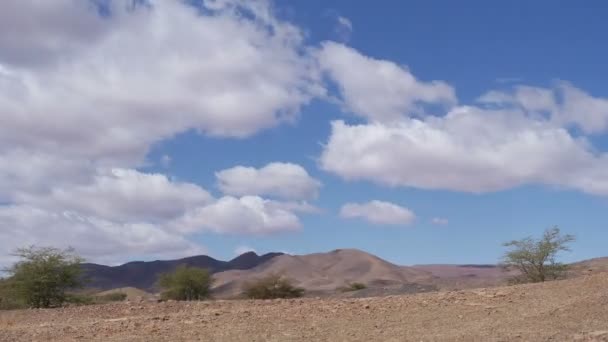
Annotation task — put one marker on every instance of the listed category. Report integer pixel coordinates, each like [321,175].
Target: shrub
[353,287]
[8,299]
[272,287]
[535,259]
[43,276]
[186,283]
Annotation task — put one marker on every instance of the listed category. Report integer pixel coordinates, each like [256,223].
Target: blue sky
[469,124]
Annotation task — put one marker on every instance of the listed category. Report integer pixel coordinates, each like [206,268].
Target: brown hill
[321,272]
[590,266]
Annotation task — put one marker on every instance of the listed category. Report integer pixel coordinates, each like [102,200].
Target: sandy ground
[569,310]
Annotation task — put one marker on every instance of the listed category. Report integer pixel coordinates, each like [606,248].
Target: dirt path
[569,310]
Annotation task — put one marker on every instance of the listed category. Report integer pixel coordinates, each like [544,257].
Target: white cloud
[180,72]
[126,196]
[125,212]
[469,150]
[379,90]
[245,215]
[282,180]
[513,138]
[439,221]
[243,249]
[96,239]
[83,97]
[564,104]
[343,29]
[34,32]
[378,212]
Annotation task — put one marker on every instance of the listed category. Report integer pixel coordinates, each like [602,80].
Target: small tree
[535,259]
[272,287]
[43,275]
[186,283]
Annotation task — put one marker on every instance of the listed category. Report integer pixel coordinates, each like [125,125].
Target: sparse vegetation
[353,287]
[42,277]
[111,297]
[535,259]
[272,287]
[186,283]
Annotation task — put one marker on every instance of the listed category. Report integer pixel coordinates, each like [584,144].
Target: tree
[272,287]
[535,259]
[43,275]
[186,283]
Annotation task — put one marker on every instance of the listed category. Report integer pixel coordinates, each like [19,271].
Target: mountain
[319,273]
[322,272]
[144,274]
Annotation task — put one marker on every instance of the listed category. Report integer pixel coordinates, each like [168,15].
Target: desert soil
[569,310]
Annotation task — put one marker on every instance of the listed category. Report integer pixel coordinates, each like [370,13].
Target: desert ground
[567,310]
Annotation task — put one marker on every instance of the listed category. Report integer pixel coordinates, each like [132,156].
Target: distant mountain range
[144,274]
[318,273]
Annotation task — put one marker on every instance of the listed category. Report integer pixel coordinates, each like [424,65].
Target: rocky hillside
[321,272]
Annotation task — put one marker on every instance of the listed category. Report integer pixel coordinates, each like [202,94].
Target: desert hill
[320,272]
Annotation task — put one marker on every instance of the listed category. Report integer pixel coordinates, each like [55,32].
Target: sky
[420,131]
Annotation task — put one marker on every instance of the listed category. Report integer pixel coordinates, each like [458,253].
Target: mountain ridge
[144,274]
[317,272]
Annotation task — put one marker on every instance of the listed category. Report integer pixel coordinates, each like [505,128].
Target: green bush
[186,283]
[353,287]
[43,276]
[272,287]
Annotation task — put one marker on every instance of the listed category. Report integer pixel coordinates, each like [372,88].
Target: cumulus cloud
[470,149]
[127,196]
[379,90]
[282,180]
[179,70]
[245,215]
[509,138]
[84,96]
[378,212]
[564,104]
[126,212]
[35,33]
[95,238]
